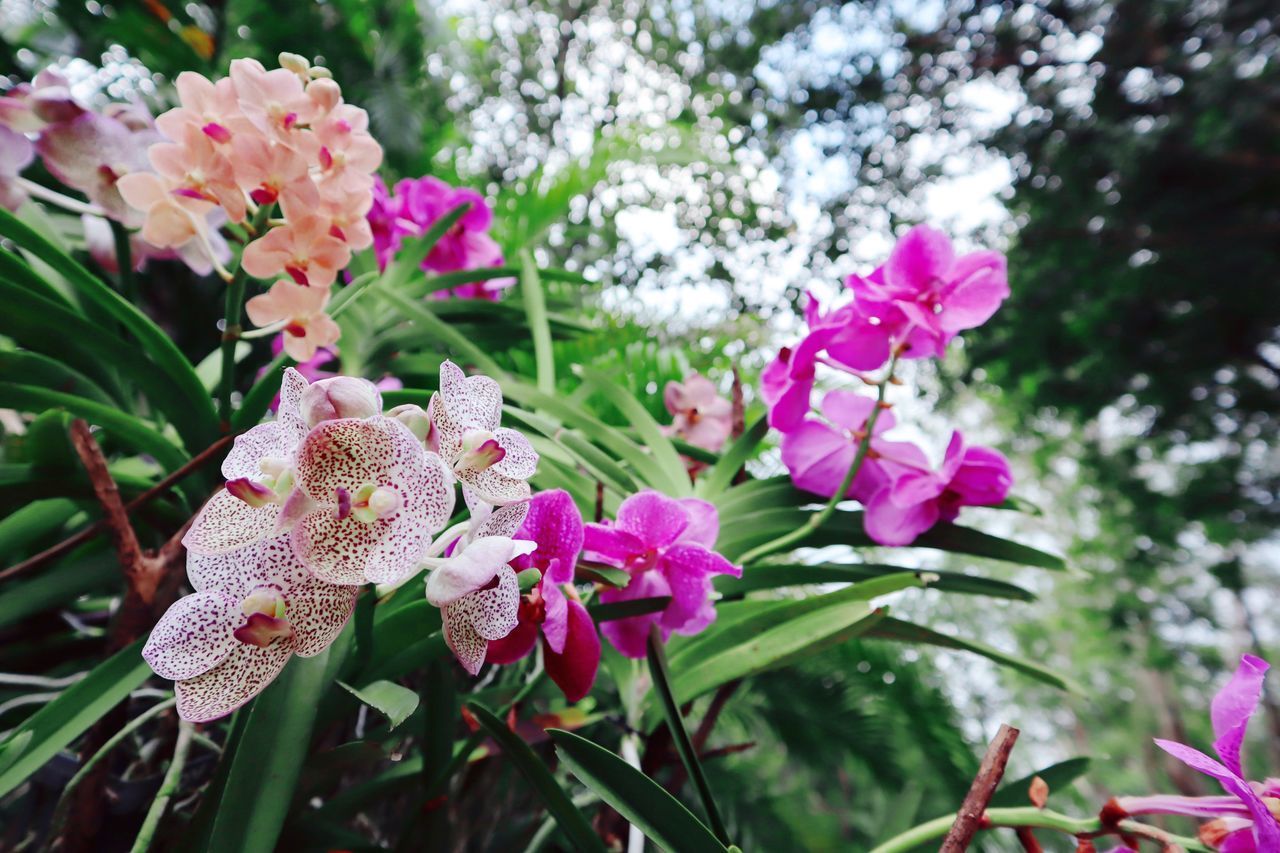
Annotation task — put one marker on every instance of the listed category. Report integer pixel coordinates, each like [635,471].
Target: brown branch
[1028,840]
[80,537]
[969,819]
[700,737]
[151,582]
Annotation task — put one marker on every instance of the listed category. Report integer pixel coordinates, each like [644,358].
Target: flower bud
[339,397]
[414,417]
[325,94]
[299,65]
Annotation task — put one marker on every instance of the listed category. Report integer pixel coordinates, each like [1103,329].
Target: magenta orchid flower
[476,588]
[699,414]
[259,474]
[493,463]
[16,154]
[252,610]
[939,292]
[570,645]
[666,546]
[1245,821]
[819,453]
[913,497]
[368,499]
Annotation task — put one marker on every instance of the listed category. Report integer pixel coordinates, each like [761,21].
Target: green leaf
[635,796]
[598,463]
[268,758]
[438,330]
[395,702]
[1057,776]
[535,308]
[125,427]
[600,573]
[90,569]
[255,403]
[773,634]
[35,369]
[720,477]
[55,726]
[624,609]
[909,632]
[773,576]
[669,471]
[193,406]
[576,827]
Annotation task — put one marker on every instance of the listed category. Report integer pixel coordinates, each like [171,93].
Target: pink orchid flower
[93,152]
[819,453]
[368,499]
[666,545]
[348,155]
[939,292]
[252,610]
[259,475]
[1244,821]
[171,220]
[476,588]
[47,99]
[307,328]
[303,249]
[570,645]
[699,414]
[267,172]
[274,101]
[913,498]
[210,107]
[16,154]
[347,213]
[100,243]
[196,167]
[493,463]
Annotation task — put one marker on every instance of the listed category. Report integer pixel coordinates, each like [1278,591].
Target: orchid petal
[1232,708]
[318,612]
[227,524]
[574,669]
[555,523]
[243,675]
[630,636]
[484,615]
[704,522]
[653,517]
[555,625]
[1266,830]
[194,635]
[505,521]
[474,567]
[922,256]
[609,544]
[520,460]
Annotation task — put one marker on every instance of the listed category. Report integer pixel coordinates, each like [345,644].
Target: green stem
[819,518]
[169,787]
[64,802]
[124,261]
[679,735]
[231,326]
[1034,818]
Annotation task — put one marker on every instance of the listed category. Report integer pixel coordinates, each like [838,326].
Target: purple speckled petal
[227,524]
[243,675]
[485,615]
[193,636]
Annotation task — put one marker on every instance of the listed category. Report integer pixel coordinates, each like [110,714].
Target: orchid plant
[343,608]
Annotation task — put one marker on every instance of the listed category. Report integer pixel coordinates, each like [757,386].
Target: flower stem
[679,735]
[1034,818]
[172,779]
[65,202]
[819,518]
[232,329]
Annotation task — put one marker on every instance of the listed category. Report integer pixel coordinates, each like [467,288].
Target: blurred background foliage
[706,163]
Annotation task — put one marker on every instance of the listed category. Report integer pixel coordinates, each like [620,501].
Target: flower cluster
[417,204]
[252,141]
[328,496]
[1245,820]
[89,151]
[909,308]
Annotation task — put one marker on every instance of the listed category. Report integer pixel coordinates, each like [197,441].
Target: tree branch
[969,819]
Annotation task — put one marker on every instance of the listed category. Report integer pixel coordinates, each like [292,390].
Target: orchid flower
[1246,820]
[16,154]
[303,249]
[913,498]
[493,463]
[666,545]
[307,328]
[259,474]
[367,501]
[92,152]
[939,292]
[819,454]
[570,645]
[476,588]
[253,609]
[699,414]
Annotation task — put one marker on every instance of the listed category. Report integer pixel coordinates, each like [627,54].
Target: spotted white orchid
[367,499]
[252,610]
[259,468]
[493,463]
[476,588]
